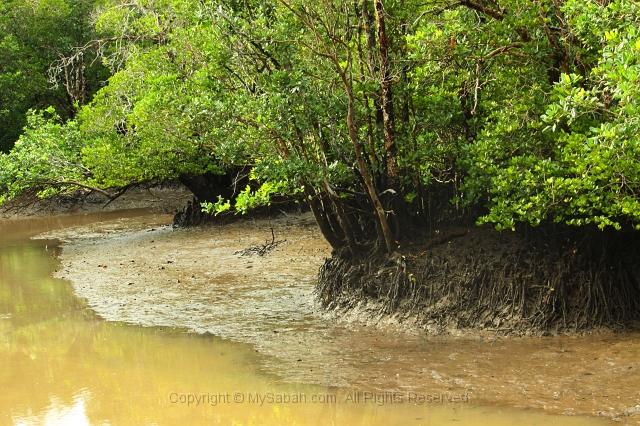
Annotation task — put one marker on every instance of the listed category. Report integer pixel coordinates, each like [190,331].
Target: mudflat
[204,280]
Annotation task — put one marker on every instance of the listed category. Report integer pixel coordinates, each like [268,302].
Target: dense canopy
[371,111]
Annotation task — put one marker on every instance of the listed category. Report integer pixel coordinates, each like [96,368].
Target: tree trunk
[332,217]
[344,222]
[393,173]
[322,220]
[364,170]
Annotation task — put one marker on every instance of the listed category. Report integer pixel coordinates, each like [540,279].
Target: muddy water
[62,364]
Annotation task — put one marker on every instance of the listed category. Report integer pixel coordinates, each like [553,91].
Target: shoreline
[136,271]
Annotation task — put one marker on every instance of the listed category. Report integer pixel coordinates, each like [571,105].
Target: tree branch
[486,10]
[82,185]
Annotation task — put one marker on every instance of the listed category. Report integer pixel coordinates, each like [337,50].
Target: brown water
[60,364]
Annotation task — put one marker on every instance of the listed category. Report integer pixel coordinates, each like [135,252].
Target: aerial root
[517,292]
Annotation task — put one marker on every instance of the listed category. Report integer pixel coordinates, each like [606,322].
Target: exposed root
[191,215]
[495,282]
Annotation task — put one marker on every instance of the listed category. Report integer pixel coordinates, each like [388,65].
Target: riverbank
[544,281]
[167,199]
[143,272]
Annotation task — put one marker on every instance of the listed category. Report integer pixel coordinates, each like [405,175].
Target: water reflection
[62,365]
[59,414]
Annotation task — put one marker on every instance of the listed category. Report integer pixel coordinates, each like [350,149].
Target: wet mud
[142,271]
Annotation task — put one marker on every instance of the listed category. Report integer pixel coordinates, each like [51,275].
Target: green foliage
[246,200]
[33,35]
[46,158]
[216,208]
[588,170]
[530,111]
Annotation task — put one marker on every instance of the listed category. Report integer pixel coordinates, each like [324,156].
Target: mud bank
[547,281]
[142,271]
[158,199]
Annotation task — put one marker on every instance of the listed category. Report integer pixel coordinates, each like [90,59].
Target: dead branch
[261,249]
